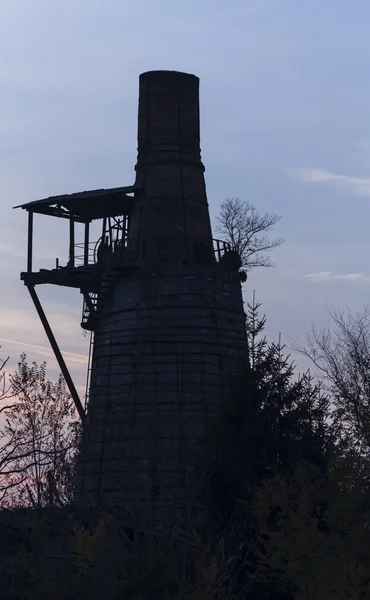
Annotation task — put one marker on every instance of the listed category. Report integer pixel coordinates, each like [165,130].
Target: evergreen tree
[269,421]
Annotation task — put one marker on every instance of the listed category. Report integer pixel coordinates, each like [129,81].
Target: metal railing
[220,247]
[119,251]
[80,253]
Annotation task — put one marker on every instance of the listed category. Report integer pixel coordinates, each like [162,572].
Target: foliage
[39,440]
[158,566]
[314,533]
[244,229]
[99,558]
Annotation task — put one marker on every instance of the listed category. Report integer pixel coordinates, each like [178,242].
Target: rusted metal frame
[30,241]
[58,355]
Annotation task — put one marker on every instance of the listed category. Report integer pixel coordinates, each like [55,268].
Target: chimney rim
[168,74]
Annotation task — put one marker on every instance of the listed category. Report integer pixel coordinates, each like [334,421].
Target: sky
[285,124]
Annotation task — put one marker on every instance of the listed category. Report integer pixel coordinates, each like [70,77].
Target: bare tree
[244,229]
[341,355]
[38,441]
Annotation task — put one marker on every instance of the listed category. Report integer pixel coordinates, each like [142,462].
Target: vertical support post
[30,241]
[219,253]
[110,231]
[72,242]
[86,244]
[125,230]
[57,352]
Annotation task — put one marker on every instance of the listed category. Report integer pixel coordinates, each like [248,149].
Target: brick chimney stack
[170,220]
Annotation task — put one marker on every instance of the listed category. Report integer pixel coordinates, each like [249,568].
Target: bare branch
[242,227]
[341,355]
[39,436]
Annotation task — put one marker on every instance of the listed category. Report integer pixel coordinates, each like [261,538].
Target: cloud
[358,186]
[330,276]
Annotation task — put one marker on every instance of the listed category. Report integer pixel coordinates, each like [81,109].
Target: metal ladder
[88,374]
[93,303]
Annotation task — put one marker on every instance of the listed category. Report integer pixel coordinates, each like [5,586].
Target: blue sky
[285,124]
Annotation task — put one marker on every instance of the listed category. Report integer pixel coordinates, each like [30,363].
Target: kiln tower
[164,303]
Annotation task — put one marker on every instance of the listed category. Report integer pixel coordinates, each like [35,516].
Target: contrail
[74,357]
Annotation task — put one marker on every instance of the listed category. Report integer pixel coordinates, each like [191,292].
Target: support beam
[86,244]
[104,230]
[110,231]
[57,352]
[72,242]
[126,223]
[30,241]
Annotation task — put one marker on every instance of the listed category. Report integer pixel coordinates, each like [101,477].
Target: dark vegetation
[283,511]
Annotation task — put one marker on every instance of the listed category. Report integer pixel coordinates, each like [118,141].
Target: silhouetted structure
[164,304]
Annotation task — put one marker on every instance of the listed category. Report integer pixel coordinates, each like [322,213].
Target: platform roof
[85,206]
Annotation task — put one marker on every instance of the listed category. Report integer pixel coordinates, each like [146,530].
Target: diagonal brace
[58,355]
